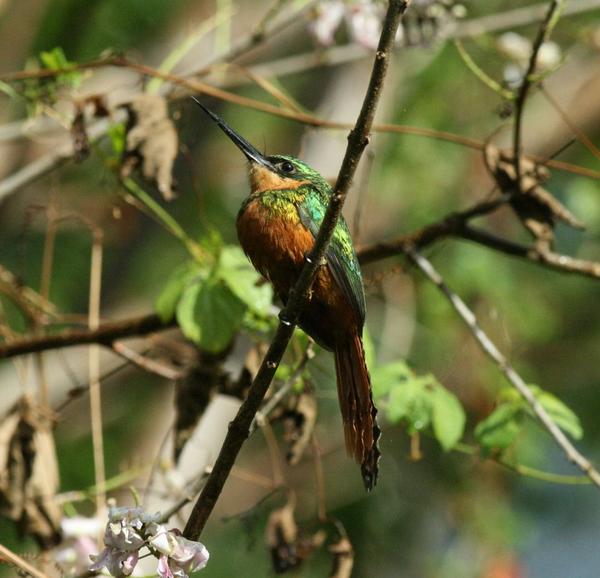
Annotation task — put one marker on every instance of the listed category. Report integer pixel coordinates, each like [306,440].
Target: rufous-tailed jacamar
[277,225]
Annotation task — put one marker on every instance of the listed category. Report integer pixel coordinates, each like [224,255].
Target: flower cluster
[79,542]
[518,50]
[130,529]
[364,18]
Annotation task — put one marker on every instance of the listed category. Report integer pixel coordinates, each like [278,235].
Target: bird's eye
[287,167]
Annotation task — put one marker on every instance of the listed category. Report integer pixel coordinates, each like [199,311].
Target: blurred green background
[448,514]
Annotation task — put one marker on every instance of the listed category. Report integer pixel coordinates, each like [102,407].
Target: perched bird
[277,225]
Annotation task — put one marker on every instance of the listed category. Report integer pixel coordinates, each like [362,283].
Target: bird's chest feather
[275,241]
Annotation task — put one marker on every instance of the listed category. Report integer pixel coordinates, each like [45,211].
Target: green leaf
[500,428]
[210,314]
[239,275]
[561,414]
[56,59]
[448,418]
[389,376]
[411,401]
[167,301]
[116,133]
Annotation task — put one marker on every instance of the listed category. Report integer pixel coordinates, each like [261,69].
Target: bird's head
[273,172]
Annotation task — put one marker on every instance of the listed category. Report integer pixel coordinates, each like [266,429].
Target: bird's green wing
[340,255]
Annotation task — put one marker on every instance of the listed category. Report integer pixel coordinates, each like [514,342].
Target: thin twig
[261,416]
[523,470]
[94,377]
[145,363]
[45,281]
[16,560]
[24,296]
[490,349]
[319,479]
[516,17]
[54,159]
[456,225]
[268,27]
[582,137]
[357,141]
[105,334]
[544,31]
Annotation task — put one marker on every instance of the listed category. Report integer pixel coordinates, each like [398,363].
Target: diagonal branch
[357,141]
[505,367]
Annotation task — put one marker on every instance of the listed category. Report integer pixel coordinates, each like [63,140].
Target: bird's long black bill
[252,154]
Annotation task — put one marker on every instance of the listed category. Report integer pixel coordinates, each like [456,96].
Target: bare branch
[104,335]
[146,363]
[16,560]
[456,225]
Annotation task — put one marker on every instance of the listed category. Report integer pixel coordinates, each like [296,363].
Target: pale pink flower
[326,20]
[189,555]
[180,556]
[364,21]
[122,536]
[118,562]
[130,529]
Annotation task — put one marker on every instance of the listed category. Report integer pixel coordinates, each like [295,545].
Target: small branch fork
[457,225]
[357,141]
[507,370]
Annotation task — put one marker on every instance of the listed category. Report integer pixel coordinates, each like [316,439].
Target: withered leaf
[29,473]
[99,105]
[81,142]
[536,207]
[299,425]
[151,140]
[281,537]
[343,558]
[289,547]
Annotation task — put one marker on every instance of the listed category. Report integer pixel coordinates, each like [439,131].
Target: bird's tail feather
[359,413]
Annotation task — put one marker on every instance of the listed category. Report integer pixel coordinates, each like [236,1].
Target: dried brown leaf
[343,558]
[299,425]
[289,547]
[29,473]
[81,142]
[536,207]
[281,537]
[152,141]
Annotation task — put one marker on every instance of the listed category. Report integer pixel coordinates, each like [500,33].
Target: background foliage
[444,506]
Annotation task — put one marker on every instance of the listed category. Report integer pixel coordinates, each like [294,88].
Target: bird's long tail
[358,410]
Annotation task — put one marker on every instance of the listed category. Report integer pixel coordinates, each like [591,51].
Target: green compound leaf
[243,281]
[561,414]
[387,377]
[448,418]
[419,401]
[56,59]
[184,275]
[209,314]
[498,431]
